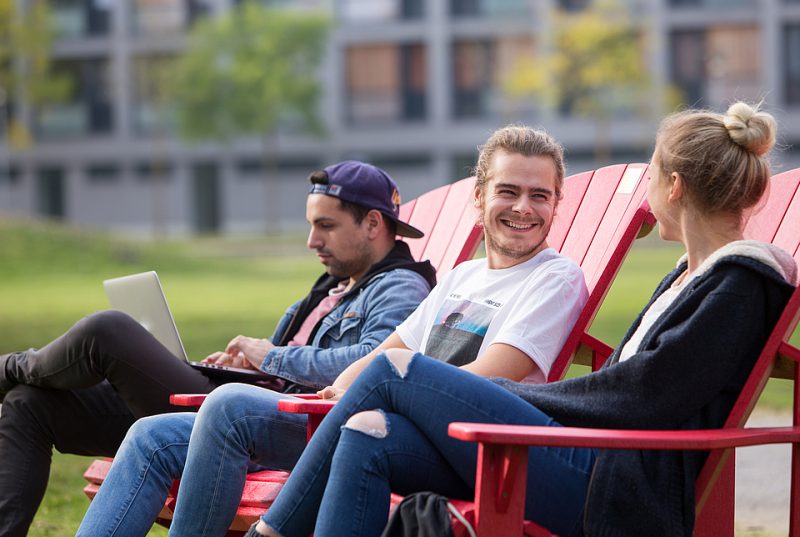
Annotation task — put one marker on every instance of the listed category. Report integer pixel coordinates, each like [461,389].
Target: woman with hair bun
[680,366]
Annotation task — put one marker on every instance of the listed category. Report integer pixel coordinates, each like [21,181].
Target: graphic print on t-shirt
[460,327]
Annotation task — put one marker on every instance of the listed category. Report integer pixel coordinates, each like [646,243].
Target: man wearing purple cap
[82,392]
[506,315]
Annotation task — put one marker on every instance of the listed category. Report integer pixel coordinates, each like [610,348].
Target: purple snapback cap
[364,185]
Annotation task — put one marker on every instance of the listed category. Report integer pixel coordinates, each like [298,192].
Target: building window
[711,3]
[490,8]
[480,68]
[9,175]
[50,193]
[718,65]
[792,66]
[152,109]
[154,170]
[573,5]
[105,172]
[256,167]
[472,62]
[463,165]
[86,109]
[158,16]
[386,82]
[380,10]
[166,16]
[80,18]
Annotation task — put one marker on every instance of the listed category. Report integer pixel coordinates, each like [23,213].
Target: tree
[249,72]
[593,65]
[26,36]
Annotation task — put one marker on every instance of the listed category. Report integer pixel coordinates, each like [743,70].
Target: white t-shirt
[650,317]
[531,306]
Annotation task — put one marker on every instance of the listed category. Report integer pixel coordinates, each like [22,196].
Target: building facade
[411,85]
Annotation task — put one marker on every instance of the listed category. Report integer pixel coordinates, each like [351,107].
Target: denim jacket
[358,324]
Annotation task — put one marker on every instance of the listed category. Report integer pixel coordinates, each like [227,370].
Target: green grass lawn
[217,288]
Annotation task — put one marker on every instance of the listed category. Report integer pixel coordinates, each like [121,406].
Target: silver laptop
[142,297]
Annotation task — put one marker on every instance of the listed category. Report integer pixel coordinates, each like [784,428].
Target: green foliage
[592,65]
[249,71]
[26,35]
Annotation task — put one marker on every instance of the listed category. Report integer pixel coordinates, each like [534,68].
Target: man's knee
[108,324]
[28,402]
[235,400]
[153,433]
[146,428]
[31,413]
[369,422]
[400,359]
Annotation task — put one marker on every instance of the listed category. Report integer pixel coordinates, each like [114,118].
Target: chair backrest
[599,216]
[446,217]
[777,222]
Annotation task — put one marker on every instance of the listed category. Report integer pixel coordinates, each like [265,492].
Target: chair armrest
[187,399]
[622,439]
[592,352]
[601,349]
[315,408]
[306,406]
[197,399]
[309,396]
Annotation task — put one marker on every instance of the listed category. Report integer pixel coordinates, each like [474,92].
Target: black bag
[424,514]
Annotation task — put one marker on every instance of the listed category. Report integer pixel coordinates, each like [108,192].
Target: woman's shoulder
[756,258]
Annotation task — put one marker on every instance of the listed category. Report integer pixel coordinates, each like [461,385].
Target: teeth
[517,226]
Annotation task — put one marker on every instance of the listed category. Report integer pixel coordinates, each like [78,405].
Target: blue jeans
[342,480]
[238,427]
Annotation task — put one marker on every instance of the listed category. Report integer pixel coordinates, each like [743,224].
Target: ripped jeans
[344,477]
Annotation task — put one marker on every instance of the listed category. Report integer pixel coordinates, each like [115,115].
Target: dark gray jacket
[690,367]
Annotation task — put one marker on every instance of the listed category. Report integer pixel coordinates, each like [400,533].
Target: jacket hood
[760,252]
[398,258]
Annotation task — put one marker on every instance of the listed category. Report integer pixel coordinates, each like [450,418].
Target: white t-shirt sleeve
[413,331]
[540,321]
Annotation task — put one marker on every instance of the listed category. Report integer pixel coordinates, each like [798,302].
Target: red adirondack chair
[599,217]
[449,221]
[502,454]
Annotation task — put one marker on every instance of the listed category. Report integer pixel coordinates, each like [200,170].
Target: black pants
[80,393]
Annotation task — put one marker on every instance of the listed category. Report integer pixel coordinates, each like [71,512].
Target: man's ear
[374,221]
[477,199]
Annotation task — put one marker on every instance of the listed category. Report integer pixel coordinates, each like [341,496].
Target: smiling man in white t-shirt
[509,314]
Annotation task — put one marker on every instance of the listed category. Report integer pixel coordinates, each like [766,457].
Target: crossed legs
[389,432]
[79,393]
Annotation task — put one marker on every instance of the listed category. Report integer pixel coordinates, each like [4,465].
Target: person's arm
[388,301]
[534,331]
[242,351]
[502,360]
[232,357]
[343,381]
[699,350]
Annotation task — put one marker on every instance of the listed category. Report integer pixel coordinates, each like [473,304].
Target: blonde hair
[521,140]
[721,158]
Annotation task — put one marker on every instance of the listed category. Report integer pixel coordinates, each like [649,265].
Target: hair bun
[749,128]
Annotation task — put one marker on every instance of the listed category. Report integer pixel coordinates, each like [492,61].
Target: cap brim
[405,230]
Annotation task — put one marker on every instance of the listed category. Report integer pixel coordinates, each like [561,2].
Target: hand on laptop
[242,351]
[223,358]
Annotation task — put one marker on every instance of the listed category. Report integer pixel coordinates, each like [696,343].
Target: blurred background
[197,122]
[181,117]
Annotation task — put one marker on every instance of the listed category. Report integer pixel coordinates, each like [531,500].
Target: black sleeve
[695,351]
